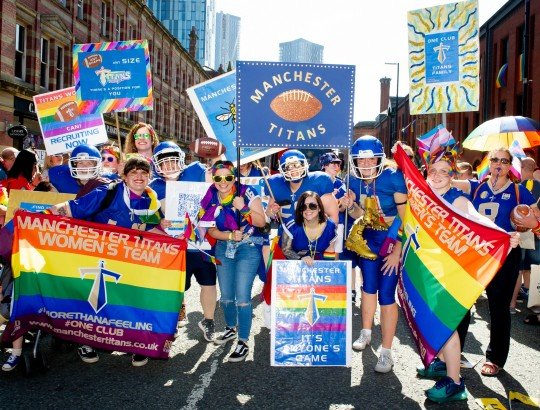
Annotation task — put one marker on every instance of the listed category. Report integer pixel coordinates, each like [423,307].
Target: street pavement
[198,376]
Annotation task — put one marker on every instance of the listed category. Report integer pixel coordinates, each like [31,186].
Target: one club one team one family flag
[94,284]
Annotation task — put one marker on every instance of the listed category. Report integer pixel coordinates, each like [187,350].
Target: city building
[36,39]
[301,51]
[227,41]
[502,42]
[180,16]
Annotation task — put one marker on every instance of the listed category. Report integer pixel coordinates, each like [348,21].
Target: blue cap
[328,158]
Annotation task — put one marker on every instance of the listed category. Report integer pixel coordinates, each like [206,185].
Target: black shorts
[205,272]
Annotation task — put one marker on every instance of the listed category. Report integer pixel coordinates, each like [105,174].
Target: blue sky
[365,33]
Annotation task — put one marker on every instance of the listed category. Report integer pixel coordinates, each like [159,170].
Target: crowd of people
[320,216]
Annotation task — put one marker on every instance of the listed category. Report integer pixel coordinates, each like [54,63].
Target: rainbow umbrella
[502,132]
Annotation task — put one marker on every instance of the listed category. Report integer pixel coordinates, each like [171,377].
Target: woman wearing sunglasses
[235,217]
[312,235]
[141,139]
[495,198]
[110,157]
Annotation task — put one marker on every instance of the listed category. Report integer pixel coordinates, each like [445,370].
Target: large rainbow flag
[104,286]
[311,318]
[447,261]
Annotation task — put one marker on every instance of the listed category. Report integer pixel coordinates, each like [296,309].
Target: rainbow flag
[108,287]
[447,261]
[482,170]
[433,140]
[501,76]
[311,318]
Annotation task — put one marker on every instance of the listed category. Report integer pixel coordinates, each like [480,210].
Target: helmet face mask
[293,165]
[169,160]
[85,162]
[367,147]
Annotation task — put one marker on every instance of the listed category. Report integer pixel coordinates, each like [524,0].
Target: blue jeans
[235,277]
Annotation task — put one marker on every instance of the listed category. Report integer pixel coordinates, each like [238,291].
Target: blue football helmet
[367,146]
[85,153]
[293,165]
[169,159]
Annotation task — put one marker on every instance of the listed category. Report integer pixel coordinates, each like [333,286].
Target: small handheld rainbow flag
[501,76]
[482,169]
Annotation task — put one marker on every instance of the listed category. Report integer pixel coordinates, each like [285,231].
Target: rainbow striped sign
[104,286]
[311,316]
[63,126]
[448,260]
[112,76]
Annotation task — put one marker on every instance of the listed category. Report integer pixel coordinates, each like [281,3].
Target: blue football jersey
[303,246]
[61,179]
[117,213]
[498,205]
[383,188]
[317,181]
[194,172]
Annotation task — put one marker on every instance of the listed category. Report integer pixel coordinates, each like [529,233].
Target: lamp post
[394,120]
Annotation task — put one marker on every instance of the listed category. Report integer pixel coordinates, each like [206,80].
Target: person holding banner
[451,387]
[377,196]
[237,213]
[313,235]
[496,198]
[169,163]
[132,204]
[141,140]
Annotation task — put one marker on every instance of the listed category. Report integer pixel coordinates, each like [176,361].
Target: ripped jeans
[235,277]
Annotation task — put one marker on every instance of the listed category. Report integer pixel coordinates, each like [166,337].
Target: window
[131,32]
[166,76]
[44,68]
[59,68]
[177,76]
[176,130]
[118,27]
[80,9]
[504,50]
[158,62]
[20,52]
[104,19]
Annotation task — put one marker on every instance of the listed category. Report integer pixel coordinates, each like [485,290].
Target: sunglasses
[496,160]
[139,136]
[442,173]
[108,159]
[312,206]
[219,178]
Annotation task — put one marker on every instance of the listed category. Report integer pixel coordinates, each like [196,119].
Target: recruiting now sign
[311,313]
[63,126]
[294,105]
[112,76]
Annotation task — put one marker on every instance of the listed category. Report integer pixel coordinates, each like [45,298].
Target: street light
[394,120]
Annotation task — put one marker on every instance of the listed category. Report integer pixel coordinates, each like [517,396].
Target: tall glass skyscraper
[300,51]
[227,40]
[179,16]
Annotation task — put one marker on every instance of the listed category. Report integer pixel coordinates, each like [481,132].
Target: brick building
[501,42]
[36,39]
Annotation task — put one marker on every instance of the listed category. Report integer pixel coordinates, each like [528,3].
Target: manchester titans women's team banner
[96,284]
[311,317]
[294,105]
[448,259]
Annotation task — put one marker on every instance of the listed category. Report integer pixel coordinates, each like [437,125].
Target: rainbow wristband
[246,214]
[329,255]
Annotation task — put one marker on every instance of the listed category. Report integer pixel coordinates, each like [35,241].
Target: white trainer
[362,341]
[385,363]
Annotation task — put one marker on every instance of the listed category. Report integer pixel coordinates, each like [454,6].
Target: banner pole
[118,133]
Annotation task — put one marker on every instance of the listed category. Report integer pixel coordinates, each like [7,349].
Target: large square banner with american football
[311,316]
[100,285]
[294,104]
[112,76]
[63,126]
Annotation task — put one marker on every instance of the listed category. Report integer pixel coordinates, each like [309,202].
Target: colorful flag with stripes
[447,261]
[432,142]
[517,155]
[482,170]
[501,76]
[100,285]
[311,317]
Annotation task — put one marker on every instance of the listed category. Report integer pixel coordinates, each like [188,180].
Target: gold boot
[356,243]
[371,215]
